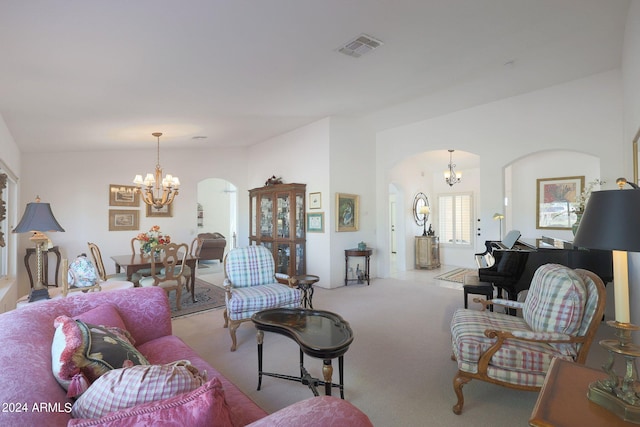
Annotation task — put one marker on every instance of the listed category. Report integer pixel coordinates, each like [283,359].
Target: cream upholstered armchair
[251,286]
[560,317]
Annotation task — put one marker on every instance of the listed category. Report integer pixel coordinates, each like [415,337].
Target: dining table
[132,263]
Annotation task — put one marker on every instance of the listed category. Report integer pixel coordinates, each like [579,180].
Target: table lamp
[611,222]
[424,210]
[37,218]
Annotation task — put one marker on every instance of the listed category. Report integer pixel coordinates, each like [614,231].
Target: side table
[305,283]
[45,264]
[366,253]
[563,401]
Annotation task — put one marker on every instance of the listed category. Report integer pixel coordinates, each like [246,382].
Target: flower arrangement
[583,198]
[152,238]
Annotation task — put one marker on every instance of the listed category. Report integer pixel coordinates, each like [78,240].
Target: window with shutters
[456,218]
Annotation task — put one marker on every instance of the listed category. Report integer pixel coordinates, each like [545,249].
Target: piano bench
[479,288]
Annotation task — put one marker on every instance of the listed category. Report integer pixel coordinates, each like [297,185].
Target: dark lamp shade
[611,221]
[37,217]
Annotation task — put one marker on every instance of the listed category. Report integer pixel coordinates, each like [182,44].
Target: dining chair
[194,251]
[136,248]
[102,273]
[67,287]
[167,270]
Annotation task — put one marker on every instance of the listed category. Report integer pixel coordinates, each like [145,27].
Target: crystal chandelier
[153,194]
[451,176]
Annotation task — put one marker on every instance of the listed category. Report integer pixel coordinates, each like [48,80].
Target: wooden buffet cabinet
[427,252]
[277,221]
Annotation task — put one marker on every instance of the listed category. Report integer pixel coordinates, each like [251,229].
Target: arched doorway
[217,209]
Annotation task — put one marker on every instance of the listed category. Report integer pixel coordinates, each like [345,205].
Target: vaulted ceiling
[100,75]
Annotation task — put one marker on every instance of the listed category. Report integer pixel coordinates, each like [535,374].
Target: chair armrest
[499,302]
[555,337]
[282,276]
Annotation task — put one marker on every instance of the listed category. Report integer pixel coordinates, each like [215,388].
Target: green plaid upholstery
[250,266]
[251,275]
[567,298]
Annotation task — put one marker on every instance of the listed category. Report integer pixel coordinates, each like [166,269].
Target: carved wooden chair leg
[226,318]
[233,326]
[179,297]
[458,382]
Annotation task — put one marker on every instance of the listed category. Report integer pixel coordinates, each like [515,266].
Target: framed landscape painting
[347,212]
[124,220]
[556,202]
[123,195]
[165,211]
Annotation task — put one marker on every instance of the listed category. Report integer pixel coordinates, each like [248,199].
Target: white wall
[76,184]
[559,117]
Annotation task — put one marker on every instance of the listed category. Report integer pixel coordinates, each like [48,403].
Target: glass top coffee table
[320,334]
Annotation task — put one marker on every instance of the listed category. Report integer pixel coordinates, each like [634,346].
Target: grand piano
[519,263]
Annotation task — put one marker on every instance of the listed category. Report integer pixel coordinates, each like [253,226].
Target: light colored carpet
[398,369]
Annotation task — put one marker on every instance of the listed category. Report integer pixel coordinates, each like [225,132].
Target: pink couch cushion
[204,406]
[124,388]
[319,411]
[169,348]
[105,315]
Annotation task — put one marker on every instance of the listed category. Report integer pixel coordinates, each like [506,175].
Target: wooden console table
[563,400]
[366,253]
[45,264]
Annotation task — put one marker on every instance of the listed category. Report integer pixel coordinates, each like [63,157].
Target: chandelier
[451,176]
[153,194]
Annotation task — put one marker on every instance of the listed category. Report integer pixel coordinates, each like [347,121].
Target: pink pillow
[204,406]
[104,314]
[126,387]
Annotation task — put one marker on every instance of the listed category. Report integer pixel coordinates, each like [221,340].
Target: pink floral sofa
[30,395]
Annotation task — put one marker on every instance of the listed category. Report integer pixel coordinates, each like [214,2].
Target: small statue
[430,231]
[273,181]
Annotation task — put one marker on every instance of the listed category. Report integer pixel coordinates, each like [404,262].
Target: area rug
[456,275]
[208,297]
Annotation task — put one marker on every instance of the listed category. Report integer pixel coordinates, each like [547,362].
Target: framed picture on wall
[347,212]
[315,222]
[556,202]
[165,211]
[124,220]
[123,195]
[315,200]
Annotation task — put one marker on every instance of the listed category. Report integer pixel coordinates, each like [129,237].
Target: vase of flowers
[150,240]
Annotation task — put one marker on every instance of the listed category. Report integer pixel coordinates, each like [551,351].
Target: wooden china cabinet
[277,221]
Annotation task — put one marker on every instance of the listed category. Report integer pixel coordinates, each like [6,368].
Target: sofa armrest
[318,411]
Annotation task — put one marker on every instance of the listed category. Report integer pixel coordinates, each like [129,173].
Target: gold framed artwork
[315,200]
[123,195]
[347,212]
[557,201]
[165,211]
[315,222]
[124,220]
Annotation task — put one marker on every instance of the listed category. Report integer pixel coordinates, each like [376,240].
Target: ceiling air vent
[361,45]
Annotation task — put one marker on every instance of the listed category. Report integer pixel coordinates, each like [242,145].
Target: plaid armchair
[560,317]
[251,286]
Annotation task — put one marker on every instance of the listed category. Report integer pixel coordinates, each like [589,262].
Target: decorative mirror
[419,203]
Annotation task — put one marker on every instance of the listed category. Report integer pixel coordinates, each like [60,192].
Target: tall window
[456,218]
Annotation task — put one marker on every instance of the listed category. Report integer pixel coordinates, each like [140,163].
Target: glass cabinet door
[254,216]
[300,216]
[266,216]
[300,261]
[283,216]
[284,254]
